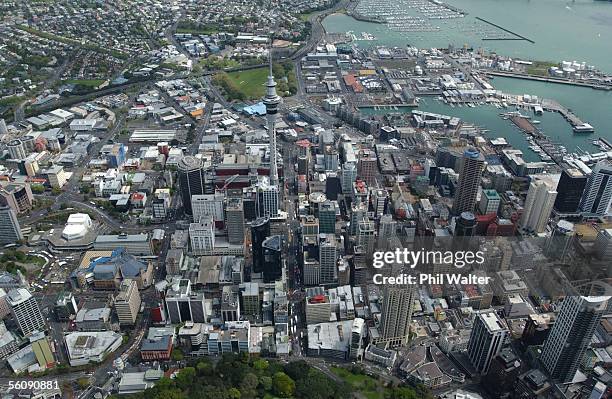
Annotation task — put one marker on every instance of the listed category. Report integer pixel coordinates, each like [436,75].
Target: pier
[514,75]
[505,30]
[577,124]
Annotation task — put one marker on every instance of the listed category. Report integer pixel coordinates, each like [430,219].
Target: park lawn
[366,385]
[540,68]
[306,16]
[251,82]
[85,82]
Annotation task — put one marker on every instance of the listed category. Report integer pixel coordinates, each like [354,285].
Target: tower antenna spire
[271,101]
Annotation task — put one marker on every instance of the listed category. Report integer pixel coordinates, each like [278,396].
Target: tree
[260,364]
[185,378]
[233,393]
[177,355]
[83,383]
[204,368]
[282,385]
[266,383]
[248,386]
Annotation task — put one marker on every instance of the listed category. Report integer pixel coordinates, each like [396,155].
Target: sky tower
[271,100]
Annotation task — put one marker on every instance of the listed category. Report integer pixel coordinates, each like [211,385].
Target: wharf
[577,124]
[596,86]
[505,30]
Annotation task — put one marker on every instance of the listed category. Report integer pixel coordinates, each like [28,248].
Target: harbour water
[580,30]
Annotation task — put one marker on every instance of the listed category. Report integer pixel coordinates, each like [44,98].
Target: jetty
[577,124]
[505,30]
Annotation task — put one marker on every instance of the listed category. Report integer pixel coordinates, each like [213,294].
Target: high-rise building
[271,101]
[538,205]
[234,223]
[569,190]
[379,202]
[489,202]
[396,315]
[202,236]
[191,179]
[327,217]
[560,241]
[208,205]
[470,173]
[17,196]
[359,211]
[159,208]
[503,373]
[10,230]
[571,335]
[16,149]
[328,259]
[260,230]
[486,340]
[357,337]
[603,244]
[367,166]
[597,195]
[25,311]
[127,302]
[386,230]
[273,261]
[183,304]
[366,237]
[267,199]
[349,175]
[465,225]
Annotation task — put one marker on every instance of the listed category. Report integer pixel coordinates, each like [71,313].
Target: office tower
[532,385]
[250,300]
[312,272]
[271,101]
[65,306]
[349,175]
[396,314]
[489,202]
[537,328]
[470,173]
[260,230]
[571,335]
[17,196]
[16,149]
[267,199]
[359,211]
[202,236]
[25,311]
[330,158]
[191,180]
[208,205]
[386,230]
[367,166]
[159,208]
[184,305]
[327,217]
[234,223]
[486,340]
[603,244]
[302,162]
[328,258]
[538,205]
[379,202]
[366,236]
[174,261]
[597,194]
[357,336]
[10,230]
[569,190]
[560,241]
[230,303]
[273,262]
[503,373]
[310,226]
[465,225]
[127,302]
[333,186]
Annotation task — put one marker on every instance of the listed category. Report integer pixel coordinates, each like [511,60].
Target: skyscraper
[191,180]
[470,173]
[569,338]
[349,175]
[208,205]
[486,340]
[272,259]
[396,315]
[127,302]
[202,236]
[538,205]
[597,194]
[267,199]
[260,230]
[271,101]
[328,257]
[234,214]
[569,190]
[10,230]
[25,310]
[327,217]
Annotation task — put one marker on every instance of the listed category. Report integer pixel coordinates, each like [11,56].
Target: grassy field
[364,384]
[251,82]
[85,82]
[540,68]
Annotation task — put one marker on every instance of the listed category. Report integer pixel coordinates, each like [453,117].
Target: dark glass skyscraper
[191,180]
[260,230]
[569,190]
